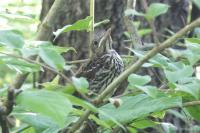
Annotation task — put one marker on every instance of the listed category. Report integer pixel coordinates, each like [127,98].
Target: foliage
[54,107]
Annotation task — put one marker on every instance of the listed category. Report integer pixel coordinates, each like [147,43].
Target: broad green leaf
[20,65]
[99,122]
[52,130]
[143,32]
[192,57]
[158,60]
[156,9]
[32,48]
[192,88]
[11,38]
[76,101]
[83,24]
[135,79]
[132,130]
[141,124]
[197,3]
[174,76]
[52,58]
[139,106]
[38,121]
[25,129]
[193,40]
[194,112]
[152,91]
[111,118]
[81,84]
[193,47]
[48,103]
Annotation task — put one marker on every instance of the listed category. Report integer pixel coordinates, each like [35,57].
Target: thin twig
[6,110]
[77,61]
[136,66]
[92,4]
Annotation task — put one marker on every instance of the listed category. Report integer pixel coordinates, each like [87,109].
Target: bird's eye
[95,43]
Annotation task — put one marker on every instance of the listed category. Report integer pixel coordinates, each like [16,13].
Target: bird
[105,64]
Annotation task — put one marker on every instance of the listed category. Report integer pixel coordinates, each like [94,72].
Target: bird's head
[102,43]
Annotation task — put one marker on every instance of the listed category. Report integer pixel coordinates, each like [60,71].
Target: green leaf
[139,106]
[143,32]
[191,56]
[174,76]
[38,121]
[194,112]
[32,48]
[111,118]
[152,91]
[132,130]
[11,38]
[100,122]
[193,40]
[156,9]
[48,103]
[81,84]
[141,124]
[52,58]
[192,88]
[76,101]
[135,79]
[83,24]
[20,65]
[197,3]
[159,60]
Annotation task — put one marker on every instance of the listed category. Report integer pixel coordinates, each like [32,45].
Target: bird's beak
[105,37]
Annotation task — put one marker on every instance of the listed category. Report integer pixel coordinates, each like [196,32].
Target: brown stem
[4,124]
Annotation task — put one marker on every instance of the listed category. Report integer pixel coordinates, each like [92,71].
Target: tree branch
[136,66]
[4,125]
[6,110]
